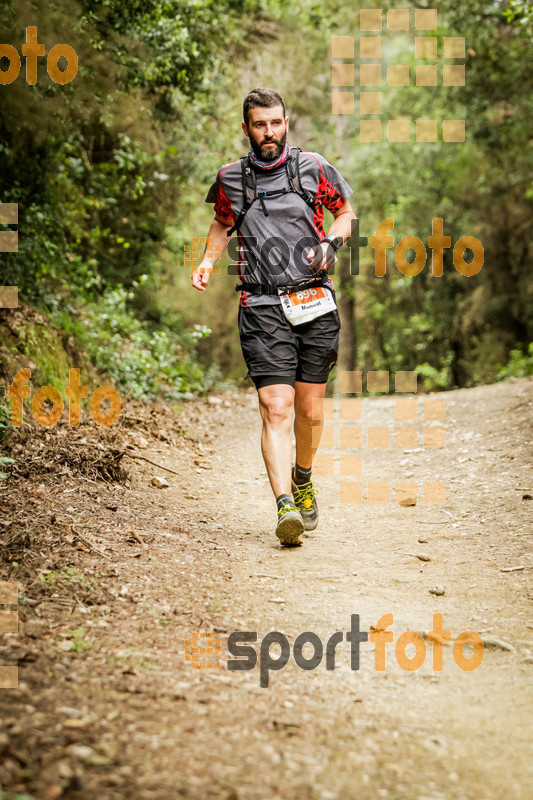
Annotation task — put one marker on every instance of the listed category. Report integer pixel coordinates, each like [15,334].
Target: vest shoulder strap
[249,185]
[295,179]
[249,188]
[249,181]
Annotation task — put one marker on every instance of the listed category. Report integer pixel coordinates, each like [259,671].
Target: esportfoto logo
[199,650]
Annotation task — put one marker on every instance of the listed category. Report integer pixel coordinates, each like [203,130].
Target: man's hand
[200,276]
[322,256]
[216,242]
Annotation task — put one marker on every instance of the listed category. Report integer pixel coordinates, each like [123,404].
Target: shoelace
[285,509]
[306,493]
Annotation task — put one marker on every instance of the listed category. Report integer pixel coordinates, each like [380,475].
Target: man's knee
[308,403]
[276,410]
[308,411]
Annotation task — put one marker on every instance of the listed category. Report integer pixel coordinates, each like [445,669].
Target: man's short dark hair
[265,98]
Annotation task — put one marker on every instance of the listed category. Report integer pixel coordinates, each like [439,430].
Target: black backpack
[249,186]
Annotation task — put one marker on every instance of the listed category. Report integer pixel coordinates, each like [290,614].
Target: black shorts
[277,352]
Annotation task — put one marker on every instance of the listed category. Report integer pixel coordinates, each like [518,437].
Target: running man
[288,320]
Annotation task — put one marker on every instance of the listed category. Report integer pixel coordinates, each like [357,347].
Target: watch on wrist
[335,241]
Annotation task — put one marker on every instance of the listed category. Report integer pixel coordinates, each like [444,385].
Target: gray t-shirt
[272,249]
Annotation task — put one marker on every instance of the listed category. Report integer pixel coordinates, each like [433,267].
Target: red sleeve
[218,196]
[329,196]
[332,189]
[223,206]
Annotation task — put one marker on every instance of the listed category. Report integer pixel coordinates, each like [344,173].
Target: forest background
[110,173]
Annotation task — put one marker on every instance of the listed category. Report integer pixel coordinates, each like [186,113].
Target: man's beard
[268,153]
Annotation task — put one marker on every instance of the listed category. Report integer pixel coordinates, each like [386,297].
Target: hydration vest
[249,186]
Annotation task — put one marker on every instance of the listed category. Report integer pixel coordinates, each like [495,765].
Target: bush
[145,361]
[520,363]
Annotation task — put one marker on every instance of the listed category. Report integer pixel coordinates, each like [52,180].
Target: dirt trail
[122,715]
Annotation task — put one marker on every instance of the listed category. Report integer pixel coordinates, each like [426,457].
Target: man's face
[267,131]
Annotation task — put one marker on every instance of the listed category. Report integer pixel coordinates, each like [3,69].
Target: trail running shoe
[290,526]
[305,499]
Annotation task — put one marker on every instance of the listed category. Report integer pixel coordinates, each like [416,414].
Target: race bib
[307,304]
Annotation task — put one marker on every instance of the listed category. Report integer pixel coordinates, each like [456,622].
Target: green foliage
[5,420]
[79,644]
[145,362]
[99,167]
[169,43]
[434,379]
[458,330]
[110,173]
[17,796]
[520,363]
[4,460]
[5,427]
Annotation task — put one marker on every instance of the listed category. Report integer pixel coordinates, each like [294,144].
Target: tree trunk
[346,301]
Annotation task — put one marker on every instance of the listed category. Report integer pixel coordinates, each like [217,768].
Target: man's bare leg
[309,420]
[308,415]
[276,404]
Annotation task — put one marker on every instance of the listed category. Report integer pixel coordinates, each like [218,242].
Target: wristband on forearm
[334,241]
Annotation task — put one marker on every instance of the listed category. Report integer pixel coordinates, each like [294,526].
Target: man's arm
[219,240]
[341,226]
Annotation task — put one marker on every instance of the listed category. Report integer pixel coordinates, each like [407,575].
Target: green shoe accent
[305,500]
